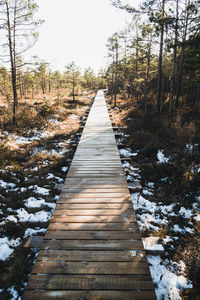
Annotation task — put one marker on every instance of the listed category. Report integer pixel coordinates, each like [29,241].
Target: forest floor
[35,155]
[164,158]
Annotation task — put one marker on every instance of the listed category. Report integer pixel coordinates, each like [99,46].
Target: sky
[76,30]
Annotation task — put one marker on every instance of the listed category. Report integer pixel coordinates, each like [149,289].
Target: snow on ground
[5,185]
[132,171]
[168,278]
[33,202]
[162,158]
[52,152]
[186,213]
[64,169]
[125,152]
[177,228]
[6,247]
[39,190]
[197,218]
[150,215]
[31,231]
[157,213]
[41,216]
[190,147]
[14,141]
[152,243]
[14,293]
[73,117]
[51,176]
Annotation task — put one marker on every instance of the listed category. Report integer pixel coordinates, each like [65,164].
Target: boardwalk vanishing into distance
[92,248]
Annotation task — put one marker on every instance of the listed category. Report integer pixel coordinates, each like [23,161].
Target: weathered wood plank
[93,226]
[92,206]
[90,282]
[71,199]
[93,212]
[89,189]
[92,255]
[85,267]
[95,195]
[92,235]
[93,219]
[90,295]
[93,244]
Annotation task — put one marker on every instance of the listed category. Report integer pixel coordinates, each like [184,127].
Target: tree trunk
[115,84]
[147,74]
[49,82]
[180,72]
[12,61]
[196,104]
[172,81]
[73,88]
[159,82]
[136,61]
[112,92]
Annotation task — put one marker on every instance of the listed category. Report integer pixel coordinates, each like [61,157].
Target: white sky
[76,30]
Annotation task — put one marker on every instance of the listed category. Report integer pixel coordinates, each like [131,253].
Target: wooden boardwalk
[93,249]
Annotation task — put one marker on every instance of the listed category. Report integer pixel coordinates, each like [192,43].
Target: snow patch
[177,228]
[4,184]
[41,216]
[32,202]
[197,218]
[5,250]
[31,231]
[169,280]
[186,213]
[152,243]
[14,293]
[39,190]
[6,247]
[64,169]
[161,157]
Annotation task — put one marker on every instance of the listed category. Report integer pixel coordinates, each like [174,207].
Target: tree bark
[12,61]
[172,81]
[180,72]
[116,67]
[147,73]
[159,82]
[73,87]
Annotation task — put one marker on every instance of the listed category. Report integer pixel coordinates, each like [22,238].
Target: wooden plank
[94,181]
[93,219]
[92,206]
[93,244]
[85,267]
[89,189]
[89,295]
[92,235]
[80,176]
[93,212]
[96,168]
[92,255]
[94,188]
[68,199]
[94,226]
[90,282]
[95,195]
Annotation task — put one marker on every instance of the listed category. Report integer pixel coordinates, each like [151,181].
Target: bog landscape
[100,170]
